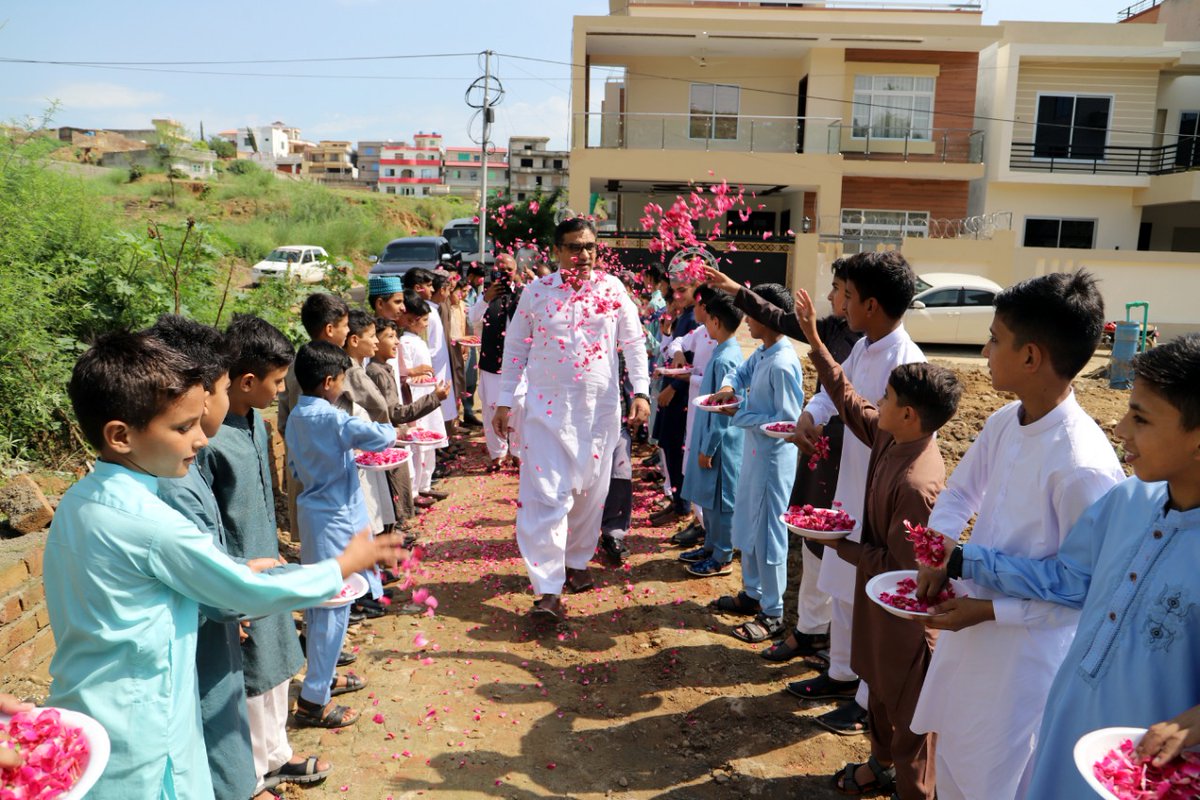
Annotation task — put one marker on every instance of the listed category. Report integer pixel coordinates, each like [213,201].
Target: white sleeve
[631,340]
[475,313]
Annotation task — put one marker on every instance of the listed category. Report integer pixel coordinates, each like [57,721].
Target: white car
[306,262]
[950,308]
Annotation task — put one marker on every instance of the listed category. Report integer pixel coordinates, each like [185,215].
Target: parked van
[463,235]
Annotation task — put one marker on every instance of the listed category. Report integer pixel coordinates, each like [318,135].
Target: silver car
[951,308]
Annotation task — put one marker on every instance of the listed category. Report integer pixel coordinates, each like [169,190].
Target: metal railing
[1179,156]
[771,134]
[948,145]
[1135,9]
[739,133]
[832,5]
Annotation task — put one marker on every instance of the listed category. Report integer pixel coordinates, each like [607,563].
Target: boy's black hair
[258,347]
[321,309]
[416,305]
[887,277]
[438,282]
[1173,371]
[776,295]
[383,323]
[202,345]
[702,293]
[932,391]
[1062,313]
[839,271]
[417,276]
[476,271]
[572,225]
[131,377]
[719,305]
[317,361]
[359,321]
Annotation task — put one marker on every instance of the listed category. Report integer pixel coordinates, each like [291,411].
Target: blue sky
[408,96]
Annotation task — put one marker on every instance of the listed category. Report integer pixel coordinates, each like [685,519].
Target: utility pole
[488,116]
[492,93]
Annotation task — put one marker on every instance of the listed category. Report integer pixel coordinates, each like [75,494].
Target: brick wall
[942,199]
[26,642]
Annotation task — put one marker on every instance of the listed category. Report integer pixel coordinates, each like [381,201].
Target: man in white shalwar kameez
[564,339]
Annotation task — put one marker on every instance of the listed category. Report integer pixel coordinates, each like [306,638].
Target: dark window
[978,297]
[1071,126]
[942,298]
[1073,233]
[1187,154]
[526,162]
[558,163]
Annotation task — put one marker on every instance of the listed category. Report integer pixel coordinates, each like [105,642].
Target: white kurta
[423,458]
[439,355]
[868,368]
[564,342]
[1028,484]
[701,346]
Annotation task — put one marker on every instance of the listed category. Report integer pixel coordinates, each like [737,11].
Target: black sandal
[806,645]
[883,779]
[302,773]
[353,684]
[312,715]
[758,629]
[741,604]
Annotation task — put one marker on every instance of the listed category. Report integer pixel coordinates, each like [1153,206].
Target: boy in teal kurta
[714,454]
[125,573]
[218,648]
[772,382]
[237,465]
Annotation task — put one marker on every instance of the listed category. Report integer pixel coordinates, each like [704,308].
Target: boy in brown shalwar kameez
[906,473]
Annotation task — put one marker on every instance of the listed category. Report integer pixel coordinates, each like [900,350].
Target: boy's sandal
[304,772]
[806,644]
[823,687]
[741,604]
[353,684]
[883,779]
[758,629]
[709,568]
[314,716]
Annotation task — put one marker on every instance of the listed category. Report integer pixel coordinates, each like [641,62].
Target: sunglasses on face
[575,248]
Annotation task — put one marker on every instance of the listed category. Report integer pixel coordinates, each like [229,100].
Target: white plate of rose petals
[702,403]
[675,372]
[87,750]
[778,430]
[421,380]
[387,459]
[468,341]
[1107,761]
[354,588]
[821,524]
[421,438]
[896,593]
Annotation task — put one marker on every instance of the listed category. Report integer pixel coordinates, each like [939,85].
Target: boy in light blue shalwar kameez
[125,573]
[1130,562]
[771,380]
[321,440]
[714,453]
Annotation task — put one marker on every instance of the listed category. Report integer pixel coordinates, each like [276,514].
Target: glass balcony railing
[769,134]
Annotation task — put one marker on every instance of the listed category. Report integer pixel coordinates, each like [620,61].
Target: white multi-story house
[462,169]
[414,170]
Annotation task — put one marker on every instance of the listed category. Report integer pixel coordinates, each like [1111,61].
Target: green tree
[530,222]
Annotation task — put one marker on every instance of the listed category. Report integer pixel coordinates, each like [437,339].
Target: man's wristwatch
[642,395]
[954,565]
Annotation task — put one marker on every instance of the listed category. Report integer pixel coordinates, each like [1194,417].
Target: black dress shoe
[434,494]
[614,549]
[471,422]
[688,537]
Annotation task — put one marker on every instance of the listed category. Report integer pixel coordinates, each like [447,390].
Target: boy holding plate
[772,381]
[906,473]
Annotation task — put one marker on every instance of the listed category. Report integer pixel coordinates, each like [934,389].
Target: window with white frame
[864,228]
[713,111]
[893,107]
[1071,126]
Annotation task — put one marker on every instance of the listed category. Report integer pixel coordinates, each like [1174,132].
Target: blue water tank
[1125,347]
